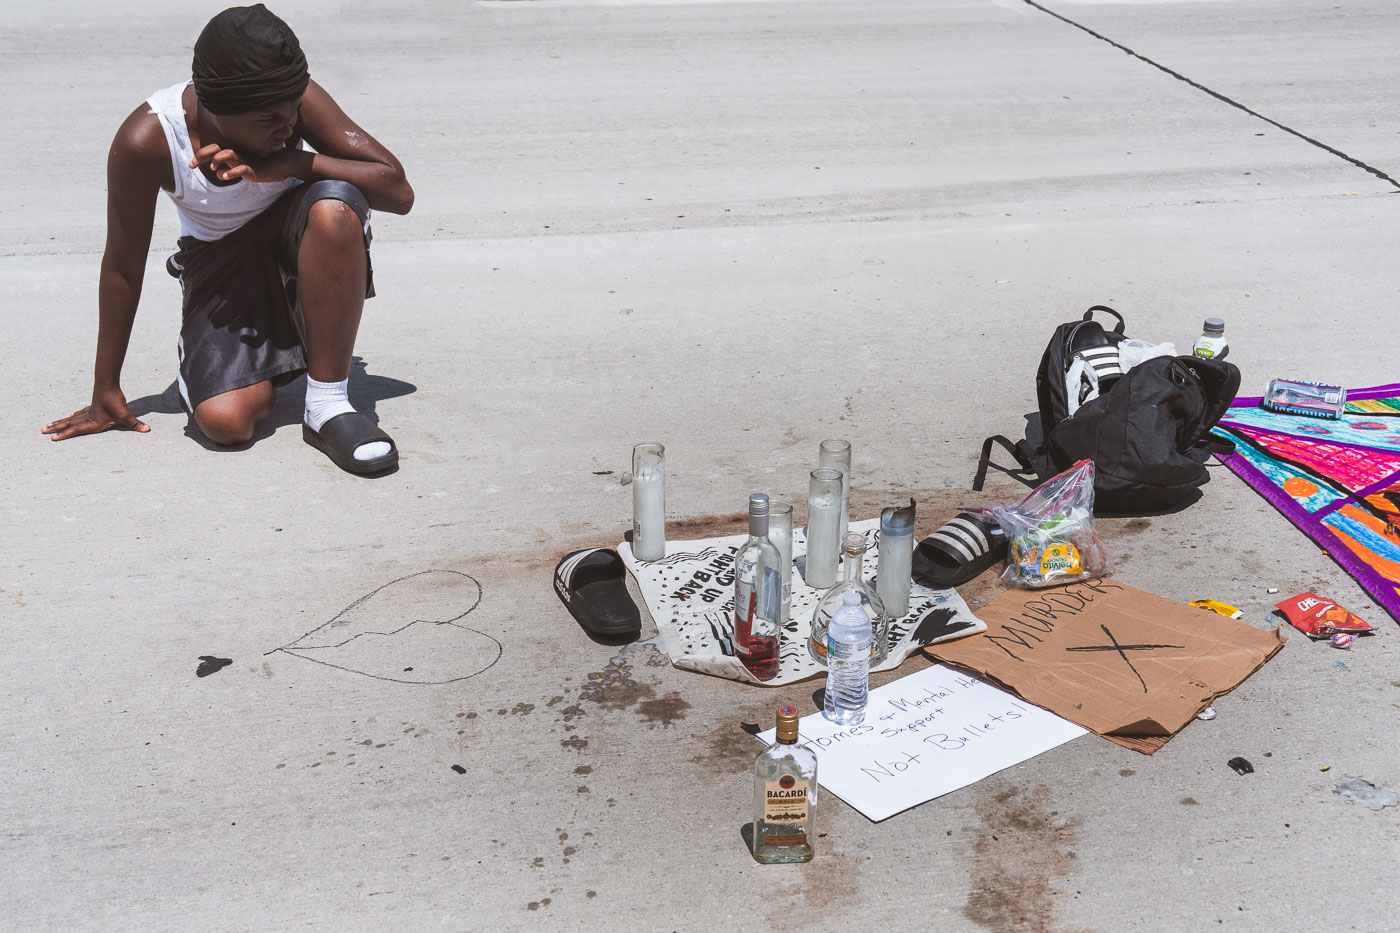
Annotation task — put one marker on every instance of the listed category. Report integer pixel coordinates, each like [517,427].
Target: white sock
[325,400]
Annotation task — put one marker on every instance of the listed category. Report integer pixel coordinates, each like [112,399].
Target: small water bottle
[848,663]
[1211,344]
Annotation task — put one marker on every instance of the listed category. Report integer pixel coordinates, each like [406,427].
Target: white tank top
[207,211]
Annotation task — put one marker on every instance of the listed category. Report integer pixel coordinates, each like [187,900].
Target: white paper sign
[924,736]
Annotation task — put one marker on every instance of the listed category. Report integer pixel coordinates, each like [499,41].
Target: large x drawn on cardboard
[1127,665]
[1122,652]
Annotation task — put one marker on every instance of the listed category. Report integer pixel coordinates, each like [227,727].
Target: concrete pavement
[738,228]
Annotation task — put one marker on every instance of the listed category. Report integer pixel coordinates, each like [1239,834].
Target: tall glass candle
[780,533]
[823,527]
[896,554]
[836,455]
[649,501]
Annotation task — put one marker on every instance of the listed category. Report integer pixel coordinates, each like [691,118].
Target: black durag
[246,58]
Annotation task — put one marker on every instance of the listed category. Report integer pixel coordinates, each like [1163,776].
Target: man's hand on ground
[109,411]
[228,165]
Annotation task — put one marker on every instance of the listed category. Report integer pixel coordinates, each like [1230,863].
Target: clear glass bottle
[784,797]
[758,593]
[649,501]
[896,559]
[848,638]
[823,528]
[871,604]
[1211,344]
[836,455]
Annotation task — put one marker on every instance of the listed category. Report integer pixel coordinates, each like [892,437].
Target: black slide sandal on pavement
[959,551]
[593,587]
[340,436]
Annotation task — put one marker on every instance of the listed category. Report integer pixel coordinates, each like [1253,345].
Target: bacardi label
[785,801]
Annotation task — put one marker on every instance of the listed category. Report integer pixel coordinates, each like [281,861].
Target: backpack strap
[1020,450]
[1089,315]
[1220,446]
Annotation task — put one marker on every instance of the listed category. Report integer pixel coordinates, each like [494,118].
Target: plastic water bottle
[848,663]
[1211,344]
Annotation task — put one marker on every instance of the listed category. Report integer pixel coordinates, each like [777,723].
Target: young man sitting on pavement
[273,257]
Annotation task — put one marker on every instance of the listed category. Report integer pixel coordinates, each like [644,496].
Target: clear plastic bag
[1050,534]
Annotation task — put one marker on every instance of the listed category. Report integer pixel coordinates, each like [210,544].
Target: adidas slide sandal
[592,585]
[959,551]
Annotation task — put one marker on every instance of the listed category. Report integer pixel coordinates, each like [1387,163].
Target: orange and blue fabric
[1337,480]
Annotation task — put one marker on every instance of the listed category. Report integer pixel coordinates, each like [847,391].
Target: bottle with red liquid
[758,595]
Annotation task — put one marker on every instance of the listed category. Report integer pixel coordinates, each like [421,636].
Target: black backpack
[1146,431]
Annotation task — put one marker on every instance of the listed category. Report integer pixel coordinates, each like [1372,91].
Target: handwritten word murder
[1038,616]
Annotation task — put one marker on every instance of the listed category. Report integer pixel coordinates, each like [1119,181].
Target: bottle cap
[853,543]
[787,724]
[852,598]
[758,504]
[1215,325]
[898,521]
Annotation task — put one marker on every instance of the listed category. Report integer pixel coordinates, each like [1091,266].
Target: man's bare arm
[344,151]
[135,167]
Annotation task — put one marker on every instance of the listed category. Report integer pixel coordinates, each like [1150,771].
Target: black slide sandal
[340,436]
[959,551]
[593,587]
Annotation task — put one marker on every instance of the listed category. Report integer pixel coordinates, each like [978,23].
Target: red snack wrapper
[1318,617]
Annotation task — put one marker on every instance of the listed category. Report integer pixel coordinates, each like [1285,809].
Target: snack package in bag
[1050,534]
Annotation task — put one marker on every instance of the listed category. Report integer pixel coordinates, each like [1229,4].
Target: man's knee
[224,426]
[333,221]
[230,419]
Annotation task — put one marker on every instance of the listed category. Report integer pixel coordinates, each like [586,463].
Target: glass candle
[780,533]
[649,501]
[823,527]
[896,555]
[836,455]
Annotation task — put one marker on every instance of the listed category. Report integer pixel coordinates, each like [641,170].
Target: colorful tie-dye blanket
[1338,481]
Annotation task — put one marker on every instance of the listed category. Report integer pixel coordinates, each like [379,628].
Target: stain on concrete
[1126,772]
[575,742]
[1020,850]
[615,688]
[536,905]
[664,711]
[1190,802]
[708,526]
[727,749]
[584,769]
[522,709]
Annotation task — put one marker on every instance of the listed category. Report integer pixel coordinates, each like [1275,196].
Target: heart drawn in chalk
[408,631]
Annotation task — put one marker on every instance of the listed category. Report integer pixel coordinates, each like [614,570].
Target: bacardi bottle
[784,797]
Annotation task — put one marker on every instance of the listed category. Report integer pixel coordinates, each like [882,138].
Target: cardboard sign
[924,736]
[1126,665]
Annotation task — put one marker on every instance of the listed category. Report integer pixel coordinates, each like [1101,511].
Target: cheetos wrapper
[1319,617]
